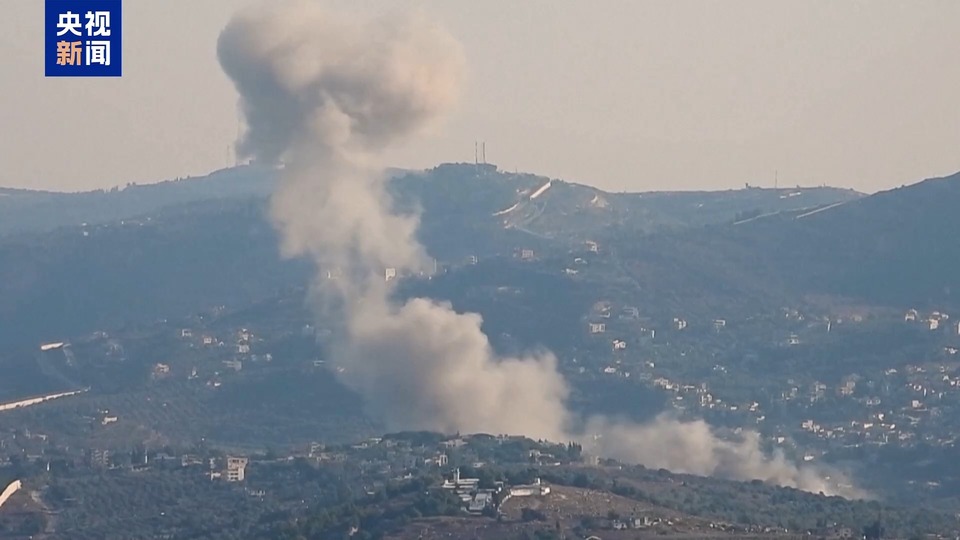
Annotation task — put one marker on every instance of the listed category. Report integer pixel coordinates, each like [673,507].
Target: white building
[236,469]
[536,489]
[461,485]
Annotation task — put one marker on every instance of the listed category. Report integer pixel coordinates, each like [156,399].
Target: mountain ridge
[115,271]
[24,210]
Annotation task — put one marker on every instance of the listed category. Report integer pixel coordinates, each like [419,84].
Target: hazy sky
[621,94]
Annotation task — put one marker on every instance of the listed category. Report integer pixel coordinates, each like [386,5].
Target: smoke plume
[324,95]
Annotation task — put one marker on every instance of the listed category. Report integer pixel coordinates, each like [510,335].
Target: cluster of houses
[233,353]
[476,499]
[934,321]
[910,404]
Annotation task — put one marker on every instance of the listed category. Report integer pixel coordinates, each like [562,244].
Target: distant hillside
[896,248]
[899,247]
[744,247]
[39,211]
[562,210]
[466,196]
[538,206]
[181,260]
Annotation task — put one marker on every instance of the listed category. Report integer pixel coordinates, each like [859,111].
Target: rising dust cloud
[325,94]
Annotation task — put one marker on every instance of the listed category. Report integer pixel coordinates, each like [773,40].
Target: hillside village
[491,482]
[825,413]
[221,377]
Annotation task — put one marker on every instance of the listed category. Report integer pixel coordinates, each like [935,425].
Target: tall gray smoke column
[324,95]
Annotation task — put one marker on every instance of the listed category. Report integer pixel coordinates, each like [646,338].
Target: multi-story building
[236,469]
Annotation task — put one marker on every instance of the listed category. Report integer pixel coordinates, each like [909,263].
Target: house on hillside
[525,254]
[536,489]
[459,483]
[236,469]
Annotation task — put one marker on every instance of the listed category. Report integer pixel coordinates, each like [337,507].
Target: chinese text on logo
[83,38]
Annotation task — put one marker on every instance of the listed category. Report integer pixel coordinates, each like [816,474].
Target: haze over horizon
[638,96]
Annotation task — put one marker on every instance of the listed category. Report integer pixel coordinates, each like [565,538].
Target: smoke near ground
[694,448]
[324,94]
